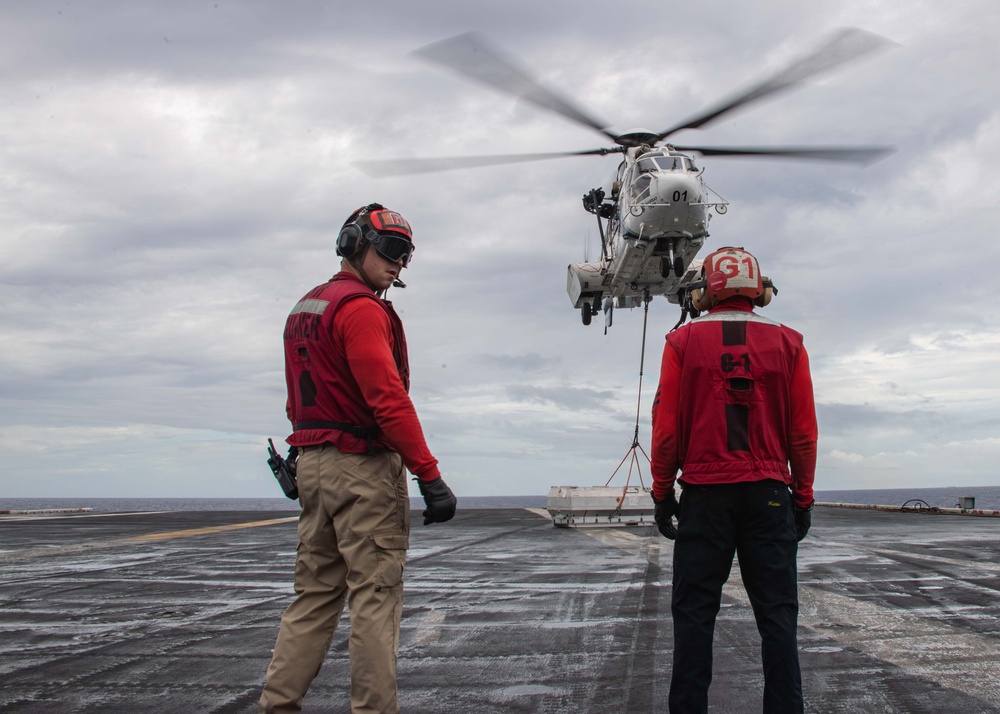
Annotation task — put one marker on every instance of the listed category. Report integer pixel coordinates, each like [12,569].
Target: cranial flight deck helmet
[387,231]
[729,272]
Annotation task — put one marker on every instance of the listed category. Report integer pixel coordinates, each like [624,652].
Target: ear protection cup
[348,240]
[770,291]
[700,300]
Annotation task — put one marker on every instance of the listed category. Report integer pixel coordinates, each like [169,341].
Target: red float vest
[324,402]
[733,415]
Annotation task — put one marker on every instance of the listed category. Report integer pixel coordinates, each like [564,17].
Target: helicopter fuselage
[657,221]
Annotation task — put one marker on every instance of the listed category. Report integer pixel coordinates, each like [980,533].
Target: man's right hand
[441,502]
[666,509]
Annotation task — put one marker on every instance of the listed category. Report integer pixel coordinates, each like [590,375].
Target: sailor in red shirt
[356,433]
[734,413]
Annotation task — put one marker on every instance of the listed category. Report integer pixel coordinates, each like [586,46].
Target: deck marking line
[429,629]
[209,529]
[13,555]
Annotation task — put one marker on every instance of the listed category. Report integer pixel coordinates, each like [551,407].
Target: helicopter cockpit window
[674,163]
[640,187]
[645,165]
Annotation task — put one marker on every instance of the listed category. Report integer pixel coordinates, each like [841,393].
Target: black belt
[353,429]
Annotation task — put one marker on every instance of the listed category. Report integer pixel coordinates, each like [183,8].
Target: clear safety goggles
[392,247]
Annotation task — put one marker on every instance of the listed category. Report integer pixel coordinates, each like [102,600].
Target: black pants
[755,521]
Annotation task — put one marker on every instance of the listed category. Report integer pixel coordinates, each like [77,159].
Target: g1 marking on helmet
[730,272]
[388,232]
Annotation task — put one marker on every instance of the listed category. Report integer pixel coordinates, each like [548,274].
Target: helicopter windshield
[681,162]
[647,164]
[660,162]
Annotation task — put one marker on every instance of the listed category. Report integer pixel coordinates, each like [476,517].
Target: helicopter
[656,219]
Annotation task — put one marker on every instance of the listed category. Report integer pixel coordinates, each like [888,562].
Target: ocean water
[987,497]
[232,504]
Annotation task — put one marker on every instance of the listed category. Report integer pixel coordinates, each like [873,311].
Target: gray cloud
[528,362]
[844,420]
[569,398]
[172,177]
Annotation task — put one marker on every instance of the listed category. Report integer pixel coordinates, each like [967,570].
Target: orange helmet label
[391,221]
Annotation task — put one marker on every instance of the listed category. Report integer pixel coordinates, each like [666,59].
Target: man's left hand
[666,509]
[441,502]
[803,520]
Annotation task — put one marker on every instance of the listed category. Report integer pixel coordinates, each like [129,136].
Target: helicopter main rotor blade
[846,45]
[853,154]
[405,166]
[471,55]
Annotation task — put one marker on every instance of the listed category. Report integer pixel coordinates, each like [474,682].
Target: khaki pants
[353,535]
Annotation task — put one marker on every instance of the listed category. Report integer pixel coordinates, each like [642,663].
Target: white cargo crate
[573,506]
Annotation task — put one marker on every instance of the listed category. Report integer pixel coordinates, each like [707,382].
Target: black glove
[803,519]
[440,501]
[666,509]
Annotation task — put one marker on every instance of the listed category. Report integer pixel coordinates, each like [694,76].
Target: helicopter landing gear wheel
[586,313]
[679,267]
[665,267]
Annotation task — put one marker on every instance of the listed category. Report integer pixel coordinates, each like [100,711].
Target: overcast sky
[174,175]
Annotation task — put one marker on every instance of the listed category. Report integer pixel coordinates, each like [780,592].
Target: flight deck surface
[178,611]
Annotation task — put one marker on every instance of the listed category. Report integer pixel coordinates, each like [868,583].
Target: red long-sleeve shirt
[719,431]
[346,363]
[363,329]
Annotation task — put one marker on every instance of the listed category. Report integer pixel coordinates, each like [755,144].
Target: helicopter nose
[674,206]
[674,188]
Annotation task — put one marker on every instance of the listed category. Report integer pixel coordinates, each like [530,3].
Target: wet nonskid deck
[177,611]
